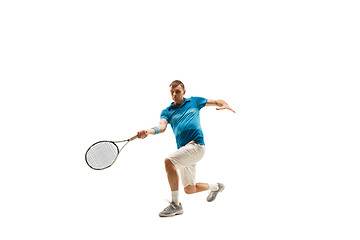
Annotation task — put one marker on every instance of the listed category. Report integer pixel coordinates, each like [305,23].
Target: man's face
[177,94]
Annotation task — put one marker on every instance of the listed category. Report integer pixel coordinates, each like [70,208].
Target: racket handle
[133,138]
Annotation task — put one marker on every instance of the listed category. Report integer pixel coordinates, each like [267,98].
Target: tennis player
[183,116]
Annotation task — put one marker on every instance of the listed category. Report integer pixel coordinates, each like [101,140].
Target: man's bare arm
[221,104]
[162,127]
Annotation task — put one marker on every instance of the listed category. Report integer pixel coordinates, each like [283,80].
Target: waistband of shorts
[193,142]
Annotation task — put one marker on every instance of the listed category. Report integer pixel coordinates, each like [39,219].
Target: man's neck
[179,103]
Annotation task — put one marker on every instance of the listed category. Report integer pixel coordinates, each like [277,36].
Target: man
[183,116]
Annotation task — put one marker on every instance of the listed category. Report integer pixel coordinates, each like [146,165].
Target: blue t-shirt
[185,120]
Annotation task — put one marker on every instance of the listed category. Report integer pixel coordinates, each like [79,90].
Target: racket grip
[133,138]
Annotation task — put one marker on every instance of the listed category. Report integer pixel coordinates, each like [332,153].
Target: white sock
[213,187]
[175,197]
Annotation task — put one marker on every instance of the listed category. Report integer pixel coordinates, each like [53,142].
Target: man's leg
[173,178]
[215,189]
[198,187]
[175,207]
[172,174]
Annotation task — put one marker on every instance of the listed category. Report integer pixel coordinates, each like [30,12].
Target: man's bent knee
[169,164]
[190,189]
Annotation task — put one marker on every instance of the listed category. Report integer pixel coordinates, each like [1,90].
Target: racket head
[101,155]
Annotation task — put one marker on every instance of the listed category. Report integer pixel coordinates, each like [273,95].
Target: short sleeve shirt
[185,120]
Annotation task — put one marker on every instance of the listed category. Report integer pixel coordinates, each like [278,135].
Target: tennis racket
[103,154]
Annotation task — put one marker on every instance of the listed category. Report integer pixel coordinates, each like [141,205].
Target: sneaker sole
[172,215]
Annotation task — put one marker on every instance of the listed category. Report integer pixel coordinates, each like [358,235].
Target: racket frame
[117,147]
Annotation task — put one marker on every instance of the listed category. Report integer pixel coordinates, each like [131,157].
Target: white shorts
[185,159]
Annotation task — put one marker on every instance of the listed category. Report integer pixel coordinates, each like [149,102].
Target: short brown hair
[176,83]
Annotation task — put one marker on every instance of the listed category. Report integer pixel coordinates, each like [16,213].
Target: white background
[75,72]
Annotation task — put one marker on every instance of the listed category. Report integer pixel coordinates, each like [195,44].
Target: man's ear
[184,91]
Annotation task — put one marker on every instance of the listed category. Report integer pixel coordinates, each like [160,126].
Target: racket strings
[102,155]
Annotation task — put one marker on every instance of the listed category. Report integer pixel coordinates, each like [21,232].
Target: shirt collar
[172,106]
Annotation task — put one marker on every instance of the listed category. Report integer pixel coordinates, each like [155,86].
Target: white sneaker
[172,210]
[212,195]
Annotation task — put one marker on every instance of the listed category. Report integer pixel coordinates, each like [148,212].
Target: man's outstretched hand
[226,106]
